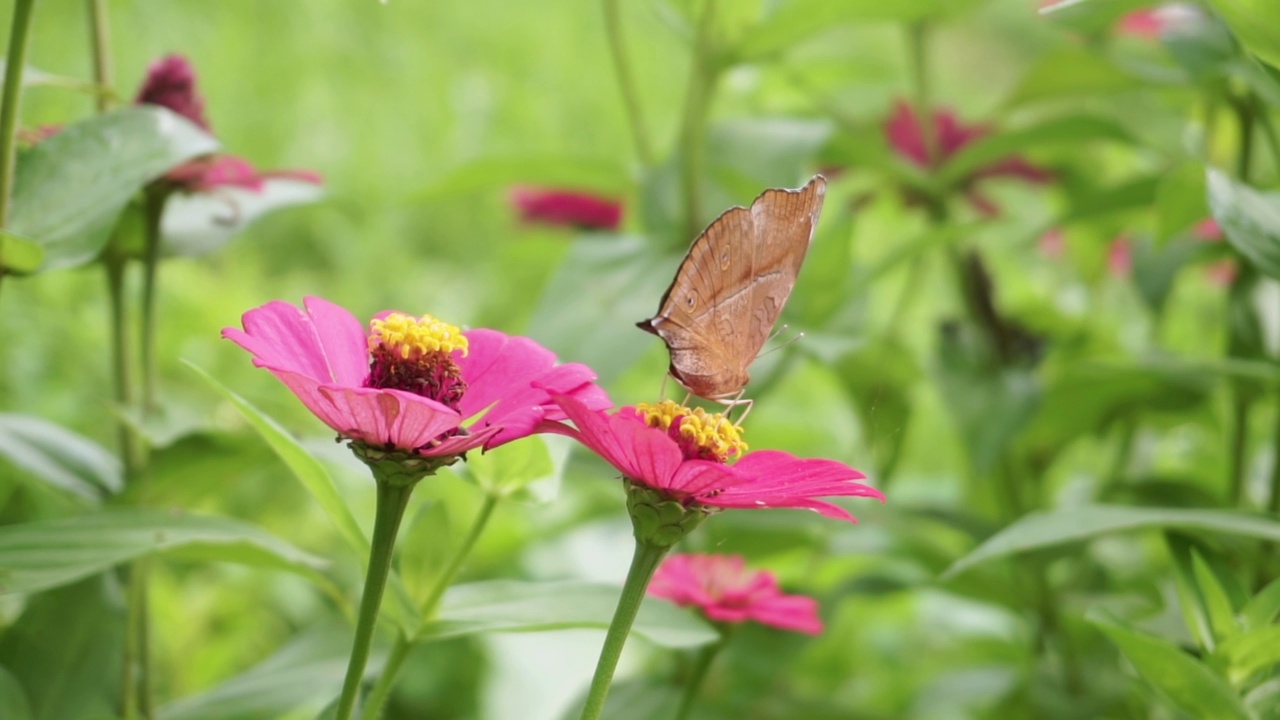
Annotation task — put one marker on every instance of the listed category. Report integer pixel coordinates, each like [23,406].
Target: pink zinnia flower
[410,384]
[1120,257]
[208,173]
[566,208]
[906,136]
[726,592]
[682,455]
[171,83]
[1052,244]
[1151,23]
[1207,229]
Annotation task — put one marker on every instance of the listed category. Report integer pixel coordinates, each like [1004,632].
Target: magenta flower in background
[1151,23]
[171,83]
[726,592]
[682,454]
[1207,229]
[1120,257]
[906,137]
[566,208]
[412,384]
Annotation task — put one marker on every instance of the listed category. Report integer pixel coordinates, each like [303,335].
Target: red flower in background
[1207,229]
[906,136]
[566,208]
[171,84]
[1151,23]
[726,592]
[1120,257]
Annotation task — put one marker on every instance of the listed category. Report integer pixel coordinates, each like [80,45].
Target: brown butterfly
[730,289]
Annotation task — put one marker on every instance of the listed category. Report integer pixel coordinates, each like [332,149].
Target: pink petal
[788,612]
[639,452]
[388,417]
[700,479]
[902,130]
[327,345]
[780,479]
[459,444]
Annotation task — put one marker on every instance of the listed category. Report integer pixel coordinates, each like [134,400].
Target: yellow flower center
[702,435]
[411,337]
[416,355]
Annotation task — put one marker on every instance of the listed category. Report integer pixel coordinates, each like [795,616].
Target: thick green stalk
[387,680]
[626,82]
[153,208]
[643,564]
[12,98]
[100,40]
[693,685]
[1241,399]
[393,498]
[122,365]
[693,128]
[132,646]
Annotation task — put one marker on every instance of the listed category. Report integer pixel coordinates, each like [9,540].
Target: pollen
[412,338]
[417,355]
[702,435]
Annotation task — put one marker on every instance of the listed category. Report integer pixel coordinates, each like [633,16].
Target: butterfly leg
[738,401]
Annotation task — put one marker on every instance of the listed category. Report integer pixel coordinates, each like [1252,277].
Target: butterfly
[731,287]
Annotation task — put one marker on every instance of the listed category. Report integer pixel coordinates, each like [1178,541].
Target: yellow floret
[412,337]
[712,432]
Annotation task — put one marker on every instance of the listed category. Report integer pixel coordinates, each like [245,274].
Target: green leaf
[200,223]
[1262,608]
[634,699]
[1251,651]
[1189,684]
[65,651]
[613,285]
[879,378]
[1070,71]
[1156,267]
[59,457]
[12,699]
[1180,200]
[19,255]
[514,606]
[1222,616]
[41,555]
[1256,23]
[798,20]
[1250,219]
[1069,130]
[69,189]
[305,468]
[427,546]
[1195,612]
[1264,700]
[752,154]
[1041,530]
[506,470]
[301,677]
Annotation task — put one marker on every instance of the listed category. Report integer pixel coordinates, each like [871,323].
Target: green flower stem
[387,680]
[393,498]
[693,129]
[12,98]
[1241,398]
[702,663]
[153,208]
[133,650]
[918,60]
[122,365]
[626,82]
[643,564]
[100,40]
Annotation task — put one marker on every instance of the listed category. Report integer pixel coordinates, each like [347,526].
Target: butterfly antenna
[784,343]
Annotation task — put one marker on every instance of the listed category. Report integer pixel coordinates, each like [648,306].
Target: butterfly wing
[731,287]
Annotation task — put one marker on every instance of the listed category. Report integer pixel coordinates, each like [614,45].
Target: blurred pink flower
[1222,273]
[171,83]
[208,173]
[410,384]
[1120,257]
[1151,23]
[1052,244]
[906,136]
[1207,229]
[726,592]
[566,208]
[686,460]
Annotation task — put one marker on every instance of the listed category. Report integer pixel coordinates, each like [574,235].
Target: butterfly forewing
[731,287]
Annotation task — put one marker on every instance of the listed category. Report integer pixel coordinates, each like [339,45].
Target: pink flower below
[208,173]
[1207,229]
[726,592]
[566,208]
[1151,23]
[761,479]
[322,354]
[171,83]
[906,137]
